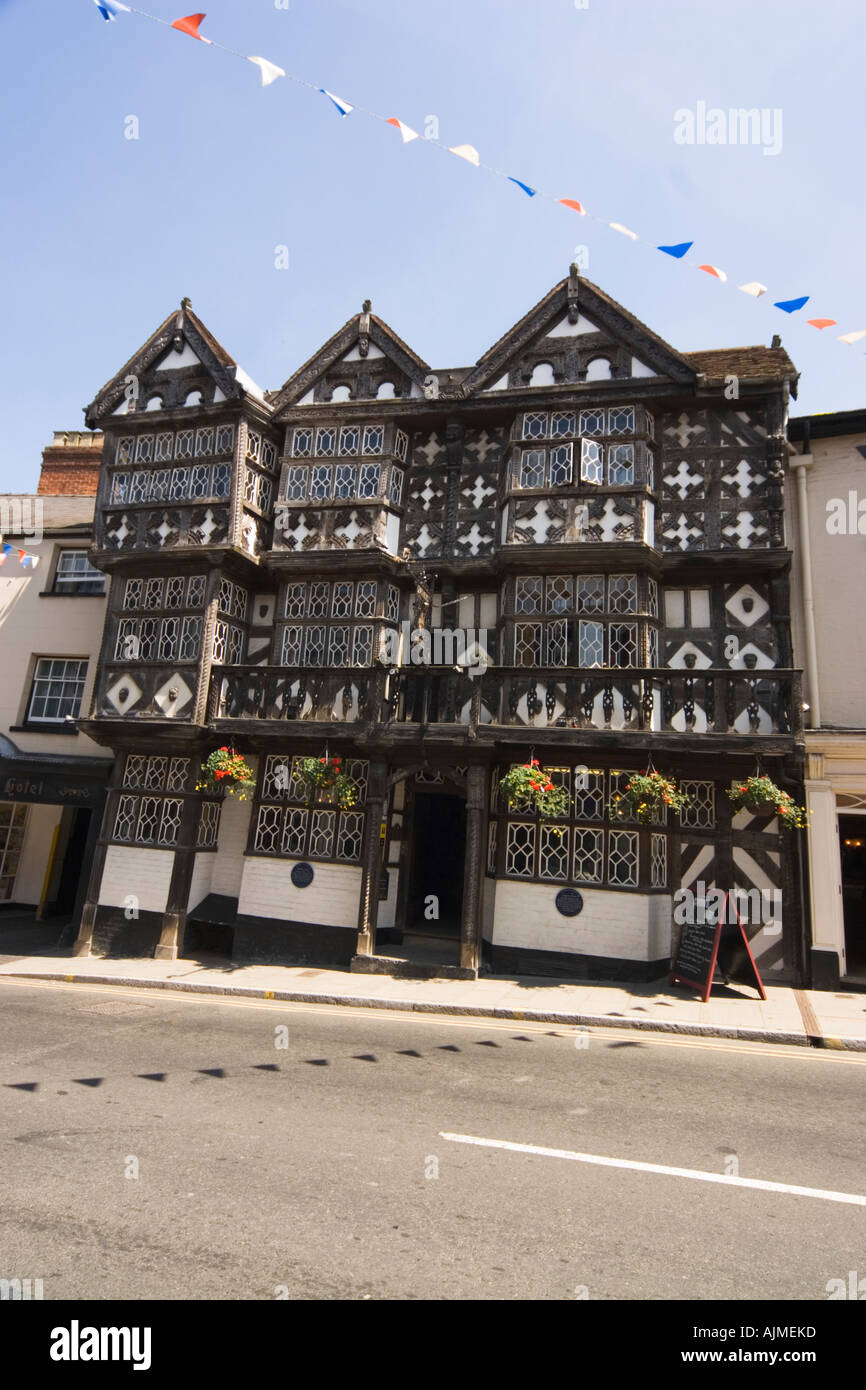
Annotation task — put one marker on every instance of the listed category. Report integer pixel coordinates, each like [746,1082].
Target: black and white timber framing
[607,509]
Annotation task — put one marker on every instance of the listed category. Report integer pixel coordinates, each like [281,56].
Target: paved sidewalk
[803,1017]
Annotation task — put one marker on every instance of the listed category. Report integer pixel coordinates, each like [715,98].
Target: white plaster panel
[142,873]
[331,900]
[625,926]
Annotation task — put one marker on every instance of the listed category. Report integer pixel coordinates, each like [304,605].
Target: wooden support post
[368,911]
[170,943]
[476,817]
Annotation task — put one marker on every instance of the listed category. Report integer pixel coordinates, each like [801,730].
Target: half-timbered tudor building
[604,514]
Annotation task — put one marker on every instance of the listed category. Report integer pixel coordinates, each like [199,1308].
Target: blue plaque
[569,902]
[302,875]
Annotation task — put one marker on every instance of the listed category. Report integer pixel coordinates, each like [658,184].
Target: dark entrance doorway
[436,878]
[74,865]
[852,851]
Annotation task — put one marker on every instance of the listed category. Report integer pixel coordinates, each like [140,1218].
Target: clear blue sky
[102,236]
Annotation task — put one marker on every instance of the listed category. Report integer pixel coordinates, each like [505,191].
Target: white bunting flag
[465,152]
[270,71]
[754,288]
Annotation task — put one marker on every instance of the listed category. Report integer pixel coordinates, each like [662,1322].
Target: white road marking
[851,1198]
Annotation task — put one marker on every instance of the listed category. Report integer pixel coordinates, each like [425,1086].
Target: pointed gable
[576,334]
[364,360]
[181,364]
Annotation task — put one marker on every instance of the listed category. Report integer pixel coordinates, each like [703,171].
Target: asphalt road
[310,1172]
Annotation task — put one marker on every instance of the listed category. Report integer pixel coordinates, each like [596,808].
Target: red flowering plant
[761,794]
[528,788]
[645,796]
[225,770]
[327,775]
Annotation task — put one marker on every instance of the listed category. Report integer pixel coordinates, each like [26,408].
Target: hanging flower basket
[761,794]
[645,796]
[527,788]
[326,774]
[226,771]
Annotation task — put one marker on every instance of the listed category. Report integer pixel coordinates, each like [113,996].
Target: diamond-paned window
[374,438]
[588,855]
[659,860]
[590,461]
[119,488]
[320,600]
[563,424]
[320,481]
[528,595]
[560,593]
[184,444]
[590,593]
[592,422]
[527,644]
[623,644]
[326,443]
[296,600]
[590,643]
[622,867]
[295,488]
[341,606]
[345,480]
[561,465]
[164,448]
[302,444]
[401,445]
[132,593]
[204,441]
[368,480]
[620,464]
[152,597]
[553,855]
[225,439]
[622,593]
[621,420]
[144,449]
[350,440]
[125,451]
[520,850]
[365,599]
[395,487]
[700,813]
[532,467]
[535,425]
[362,647]
[291,654]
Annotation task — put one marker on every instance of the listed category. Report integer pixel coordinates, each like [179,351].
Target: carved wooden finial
[777,341]
[186,303]
[366,306]
[574,270]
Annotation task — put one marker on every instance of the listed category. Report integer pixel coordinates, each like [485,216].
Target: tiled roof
[749,362]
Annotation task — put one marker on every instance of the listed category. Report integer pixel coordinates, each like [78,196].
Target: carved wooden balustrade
[650,700]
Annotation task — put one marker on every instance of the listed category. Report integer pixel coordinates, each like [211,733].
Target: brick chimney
[70,465]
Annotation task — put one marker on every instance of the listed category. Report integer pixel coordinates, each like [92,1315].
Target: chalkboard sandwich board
[705,947]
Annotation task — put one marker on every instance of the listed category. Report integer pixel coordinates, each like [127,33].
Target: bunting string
[270,72]
[25,558]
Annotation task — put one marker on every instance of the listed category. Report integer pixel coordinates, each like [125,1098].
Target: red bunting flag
[714,270]
[574,205]
[822,323]
[189,25]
